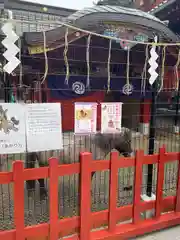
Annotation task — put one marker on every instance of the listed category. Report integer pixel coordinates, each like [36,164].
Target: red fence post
[177,206]
[137,185]
[160,181]
[113,190]
[18,199]
[53,198]
[85,201]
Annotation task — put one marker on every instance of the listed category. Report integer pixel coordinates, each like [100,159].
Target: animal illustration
[5,124]
[99,144]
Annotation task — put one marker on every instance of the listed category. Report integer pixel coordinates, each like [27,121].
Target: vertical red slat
[113,185]
[177,206]
[160,181]
[18,199]
[137,185]
[53,198]
[85,201]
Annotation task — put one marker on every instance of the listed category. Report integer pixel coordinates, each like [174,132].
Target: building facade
[34,17]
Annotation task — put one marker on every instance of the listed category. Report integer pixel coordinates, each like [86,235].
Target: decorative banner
[85,118]
[39,49]
[111,115]
[12,128]
[44,127]
[126,33]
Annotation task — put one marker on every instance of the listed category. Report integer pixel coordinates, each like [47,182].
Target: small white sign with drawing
[12,128]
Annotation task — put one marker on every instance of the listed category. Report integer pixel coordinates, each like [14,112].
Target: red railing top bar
[96,165]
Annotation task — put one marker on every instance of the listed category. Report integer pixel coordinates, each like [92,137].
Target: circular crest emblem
[78,88]
[127,89]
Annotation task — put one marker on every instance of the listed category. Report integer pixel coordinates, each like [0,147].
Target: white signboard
[111,115]
[85,117]
[43,127]
[12,128]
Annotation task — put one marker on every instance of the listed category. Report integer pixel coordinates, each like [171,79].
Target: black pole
[7,88]
[152,132]
[152,136]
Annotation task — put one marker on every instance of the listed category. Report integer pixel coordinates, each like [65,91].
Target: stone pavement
[167,234]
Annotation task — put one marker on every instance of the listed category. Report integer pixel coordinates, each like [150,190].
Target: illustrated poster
[43,127]
[12,128]
[85,118]
[111,116]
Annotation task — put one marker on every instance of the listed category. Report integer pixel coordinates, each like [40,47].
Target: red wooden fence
[87,220]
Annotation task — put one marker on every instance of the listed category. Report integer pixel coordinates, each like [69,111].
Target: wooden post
[137,185]
[53,198]
[113,185]
[160,181]
[18,199]
[85,201]
[177,206]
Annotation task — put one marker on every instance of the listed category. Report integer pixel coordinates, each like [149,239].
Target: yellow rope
[109,66]
[144,73]
[65,56]
[162,69]
[87,60]
[46,59]
[177,72]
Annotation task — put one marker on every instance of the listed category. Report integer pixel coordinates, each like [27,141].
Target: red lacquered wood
[6,177]
[151,159]
[160,181]
[137,185]
[85,202]
[172,156]
[87,220]
[53,198]
[177,206]
[68,169]
[127,231]
[18,199]
[113,185]
[35,173]
[100,165]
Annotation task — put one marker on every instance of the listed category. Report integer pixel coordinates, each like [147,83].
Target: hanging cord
[109,66]
[162,69]
[45,57]
[20,66]
[144,73]
[65,56]
[127,67]
[177,72]
[87,61]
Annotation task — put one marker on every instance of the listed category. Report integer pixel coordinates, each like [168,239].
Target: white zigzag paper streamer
[12,49]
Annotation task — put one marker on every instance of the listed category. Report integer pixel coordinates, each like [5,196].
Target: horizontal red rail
[100,165]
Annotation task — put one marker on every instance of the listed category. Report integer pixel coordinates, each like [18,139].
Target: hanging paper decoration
[153,64]
[85,118]
[111,115]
